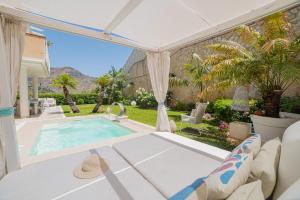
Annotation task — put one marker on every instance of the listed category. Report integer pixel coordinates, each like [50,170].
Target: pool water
[58,136]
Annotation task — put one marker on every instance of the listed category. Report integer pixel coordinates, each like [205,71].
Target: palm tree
[66,81]
[102,82]
[270,61]
[118,79]
[175,81]
[197,70]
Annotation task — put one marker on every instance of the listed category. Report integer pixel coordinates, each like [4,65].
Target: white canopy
[146,24]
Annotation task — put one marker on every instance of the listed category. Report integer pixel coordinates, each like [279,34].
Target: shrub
[290,104]
[86,98]
[180,106]
[145,99]
[80,101]
[221,109]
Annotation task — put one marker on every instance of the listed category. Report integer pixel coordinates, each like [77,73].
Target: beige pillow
[233,173]
[250,191]
[265,166]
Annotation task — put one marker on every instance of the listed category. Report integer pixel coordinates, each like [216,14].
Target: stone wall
[136,66]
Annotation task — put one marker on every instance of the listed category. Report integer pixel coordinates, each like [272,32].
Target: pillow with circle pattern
[251,144]
[233,173]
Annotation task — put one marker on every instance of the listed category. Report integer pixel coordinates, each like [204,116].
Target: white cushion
[250,191]
[291,193]
[233,173]
[265,166]
[289,163]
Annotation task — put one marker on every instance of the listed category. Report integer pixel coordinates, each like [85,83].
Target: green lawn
[208,129]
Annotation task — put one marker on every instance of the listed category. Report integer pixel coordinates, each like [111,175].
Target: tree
[118,80]
[197,69]
[270,61]
[102,82]
[66,81]
[174,81]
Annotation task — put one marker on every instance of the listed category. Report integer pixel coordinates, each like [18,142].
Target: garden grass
[148,116]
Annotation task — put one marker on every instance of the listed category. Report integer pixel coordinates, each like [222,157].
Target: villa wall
[136,65]
[34,46]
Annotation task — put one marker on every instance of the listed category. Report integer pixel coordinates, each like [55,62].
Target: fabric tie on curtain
[12,36]
[6,111]
[159,68]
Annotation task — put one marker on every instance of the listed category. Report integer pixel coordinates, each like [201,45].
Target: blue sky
[90,56]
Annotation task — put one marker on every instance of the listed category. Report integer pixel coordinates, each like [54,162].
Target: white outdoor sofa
[148,167]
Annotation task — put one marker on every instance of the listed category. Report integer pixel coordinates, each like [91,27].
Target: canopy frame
[71,28]
[107,35]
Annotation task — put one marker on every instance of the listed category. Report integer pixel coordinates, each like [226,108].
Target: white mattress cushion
[250,191]
[53,179]
[168,166]
[265,166]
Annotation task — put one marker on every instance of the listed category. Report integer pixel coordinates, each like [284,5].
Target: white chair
[196,114]
[51,102]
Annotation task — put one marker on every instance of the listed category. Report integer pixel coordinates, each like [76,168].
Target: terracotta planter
[270,128]
[239,130]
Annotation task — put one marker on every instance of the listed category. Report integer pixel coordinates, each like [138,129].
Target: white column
[23,89]
[35,83]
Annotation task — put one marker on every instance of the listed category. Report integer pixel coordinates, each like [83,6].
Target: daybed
[148,167]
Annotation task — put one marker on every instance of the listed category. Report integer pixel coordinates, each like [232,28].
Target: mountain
[85,83]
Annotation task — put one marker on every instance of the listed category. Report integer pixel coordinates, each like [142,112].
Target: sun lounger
[53,179]
[168,166]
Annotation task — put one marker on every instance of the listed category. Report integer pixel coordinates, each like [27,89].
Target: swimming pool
[62,135]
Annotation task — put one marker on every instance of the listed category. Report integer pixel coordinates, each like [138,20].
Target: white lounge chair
[51,102]
[196,114]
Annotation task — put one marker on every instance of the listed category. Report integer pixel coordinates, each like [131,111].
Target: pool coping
[29,131]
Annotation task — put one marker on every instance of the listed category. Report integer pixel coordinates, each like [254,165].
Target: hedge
[221,109]
[89,98]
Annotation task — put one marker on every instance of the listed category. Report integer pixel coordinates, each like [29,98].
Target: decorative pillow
[230,175]
[265,166]
[250,191]
[251,144]
[196,191]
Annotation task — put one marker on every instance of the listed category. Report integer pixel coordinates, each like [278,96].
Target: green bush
[290,104]
[145,99]
[221,109]
[79,101]
[181,106]
[85,98]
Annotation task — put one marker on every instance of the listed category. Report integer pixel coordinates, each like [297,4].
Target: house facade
[35,64]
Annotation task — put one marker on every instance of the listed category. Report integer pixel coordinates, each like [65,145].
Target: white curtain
[159,68]
[12,36]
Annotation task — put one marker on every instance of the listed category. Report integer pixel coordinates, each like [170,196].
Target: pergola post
[23,91]
[35,85]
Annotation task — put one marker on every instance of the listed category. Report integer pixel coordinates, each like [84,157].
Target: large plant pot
[270,128]
[240,130]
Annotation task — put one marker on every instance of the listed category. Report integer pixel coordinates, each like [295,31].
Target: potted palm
[268,60]
[197,70]
[66,81]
